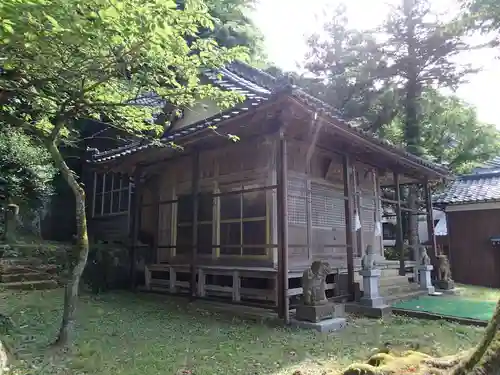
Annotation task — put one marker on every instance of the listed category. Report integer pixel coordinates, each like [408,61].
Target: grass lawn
[128,334]
[478,293]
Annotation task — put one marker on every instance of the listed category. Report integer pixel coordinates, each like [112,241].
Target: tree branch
[17,122]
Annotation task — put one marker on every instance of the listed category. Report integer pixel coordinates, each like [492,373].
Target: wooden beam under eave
[349,222]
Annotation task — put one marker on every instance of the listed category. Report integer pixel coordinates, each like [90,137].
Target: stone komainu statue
[444,271]
[314,283]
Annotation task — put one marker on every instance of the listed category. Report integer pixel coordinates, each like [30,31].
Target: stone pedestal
[322,318]
[425,281]
[314,313]
[371,296]
[371,304]
[444,284]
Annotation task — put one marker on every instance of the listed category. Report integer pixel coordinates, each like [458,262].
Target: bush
[26,167]
[391,253]
[108,268]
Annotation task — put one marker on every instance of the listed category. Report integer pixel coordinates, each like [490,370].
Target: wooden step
[398,289]
[20,261]
[27,276]
[30,285]
[393,280]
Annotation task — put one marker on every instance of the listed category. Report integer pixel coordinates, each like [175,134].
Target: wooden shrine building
[242,220]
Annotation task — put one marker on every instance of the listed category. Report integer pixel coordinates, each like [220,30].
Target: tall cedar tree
[377,78]
[64,61]
[420,51]
[346,68]
[452,135]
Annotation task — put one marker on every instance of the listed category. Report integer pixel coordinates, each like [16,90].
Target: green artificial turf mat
[450,306]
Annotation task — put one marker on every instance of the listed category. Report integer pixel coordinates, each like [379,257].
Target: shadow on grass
[130,334]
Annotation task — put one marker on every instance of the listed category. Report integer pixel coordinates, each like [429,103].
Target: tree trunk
[485,359]
[78,259]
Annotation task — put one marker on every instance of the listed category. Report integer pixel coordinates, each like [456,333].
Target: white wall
[201,110]
[423,233]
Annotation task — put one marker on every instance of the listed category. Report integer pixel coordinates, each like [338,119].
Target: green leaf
[53,22]
[7,26]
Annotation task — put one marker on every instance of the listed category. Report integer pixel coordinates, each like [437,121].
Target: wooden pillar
[399,227]
[136,224]
[195,191]
[94,190]
[360,243]
[156,217]
[430,226]
[282,203]
[378,210]
[349,221]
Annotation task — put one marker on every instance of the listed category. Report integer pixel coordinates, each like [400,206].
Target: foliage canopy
[27,168]
[68,60]
[388,81]
[63,61]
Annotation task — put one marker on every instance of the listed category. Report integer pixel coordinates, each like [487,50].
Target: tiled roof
[474,188]
[490,166]
[258,87]
[225,78]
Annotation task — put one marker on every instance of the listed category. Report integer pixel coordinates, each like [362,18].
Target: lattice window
[185,224]
[297,207]
[327,206]
[243,222]
[368,213]
[112,194]
[164,235]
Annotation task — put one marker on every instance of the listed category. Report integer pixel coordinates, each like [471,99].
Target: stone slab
[383,311]
[372,302]
[339,310]
[319,312]
[444,284]
[448,291]
[328,325]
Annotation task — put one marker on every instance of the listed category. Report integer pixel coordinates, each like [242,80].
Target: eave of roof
[368,136]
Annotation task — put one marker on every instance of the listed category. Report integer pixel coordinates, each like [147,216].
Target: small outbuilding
[472,205]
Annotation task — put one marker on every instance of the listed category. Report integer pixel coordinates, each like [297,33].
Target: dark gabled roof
[258,87]
[225,78]
[474,188]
